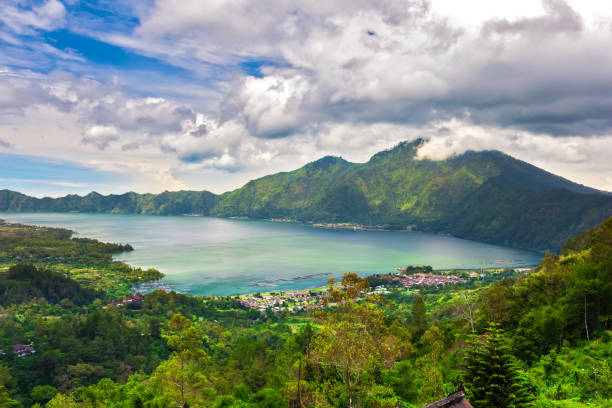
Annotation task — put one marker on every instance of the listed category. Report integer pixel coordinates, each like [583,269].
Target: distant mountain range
[486,196]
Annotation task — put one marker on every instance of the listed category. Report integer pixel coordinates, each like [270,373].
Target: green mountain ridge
[487,196]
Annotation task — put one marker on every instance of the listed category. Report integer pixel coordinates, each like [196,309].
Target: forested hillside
[24,282]
[539,339]
[167,203]
[485,196]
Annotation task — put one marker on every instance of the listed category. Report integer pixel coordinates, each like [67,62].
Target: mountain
[166,203]
[487,196]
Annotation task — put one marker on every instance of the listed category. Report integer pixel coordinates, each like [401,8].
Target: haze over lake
[205,255]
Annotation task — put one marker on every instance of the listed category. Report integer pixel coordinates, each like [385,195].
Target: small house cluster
[23,350]
[379,290]
[290,301]
[427,279]
[127,300]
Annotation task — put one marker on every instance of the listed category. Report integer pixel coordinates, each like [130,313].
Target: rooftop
[454,400]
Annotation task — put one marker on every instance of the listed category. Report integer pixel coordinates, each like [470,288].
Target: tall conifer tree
[493,378]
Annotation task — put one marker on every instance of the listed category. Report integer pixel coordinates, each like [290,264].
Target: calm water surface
[210,255]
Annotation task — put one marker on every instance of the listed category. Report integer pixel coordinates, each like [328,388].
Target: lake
[204,255]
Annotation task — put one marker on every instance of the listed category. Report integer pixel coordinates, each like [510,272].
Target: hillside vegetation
[485,196]
[24,282]
[539,339]
[89,262]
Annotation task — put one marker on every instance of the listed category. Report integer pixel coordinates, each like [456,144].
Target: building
[131,299]
[128,299]
[23,350]
[454,400]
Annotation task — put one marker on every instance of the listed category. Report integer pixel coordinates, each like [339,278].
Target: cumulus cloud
[394,61]
[147,115]
[25,88]
[454,137]
[272,105]
[192,145]
[338,77]
[559,17]
[100,136]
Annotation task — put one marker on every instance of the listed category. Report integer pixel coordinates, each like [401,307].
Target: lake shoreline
[205,255]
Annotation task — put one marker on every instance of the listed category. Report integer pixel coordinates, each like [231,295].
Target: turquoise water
[205,255]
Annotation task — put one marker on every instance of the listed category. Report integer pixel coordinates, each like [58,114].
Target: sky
[155,95]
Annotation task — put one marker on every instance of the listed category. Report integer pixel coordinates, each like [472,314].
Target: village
[280,301]
[293,301]
[427,279]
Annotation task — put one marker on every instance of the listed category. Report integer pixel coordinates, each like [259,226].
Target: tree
[5,377]
[352,286]
[466,308]
[353,340]
[492,377]
[83,373]
[64,401]
[418,318]
[181,377]
[43,393]
[429,364]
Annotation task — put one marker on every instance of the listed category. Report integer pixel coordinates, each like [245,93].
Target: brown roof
[454,400]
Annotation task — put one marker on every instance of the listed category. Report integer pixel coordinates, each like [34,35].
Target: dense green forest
[537,339]
[486,196]
[24,282]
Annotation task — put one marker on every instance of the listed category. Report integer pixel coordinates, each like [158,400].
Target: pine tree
[493,378]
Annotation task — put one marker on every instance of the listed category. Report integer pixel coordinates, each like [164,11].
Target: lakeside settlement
[309,299]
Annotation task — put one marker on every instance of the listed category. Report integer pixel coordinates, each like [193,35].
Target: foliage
[567,299]
[492,377]
[166,203]
[20,243]
[24,282]
[418,319]
[180,378]
[87,261]
[577,374]
[409,347]
[412,269]
[355,338]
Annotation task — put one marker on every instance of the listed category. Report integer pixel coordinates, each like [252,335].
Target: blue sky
[31,175]
[164,95]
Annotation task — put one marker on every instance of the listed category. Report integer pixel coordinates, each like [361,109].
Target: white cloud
[101,136]
[340,77]
[576,158]
[152,116]
[205,140]
[272,105]
[48,16]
